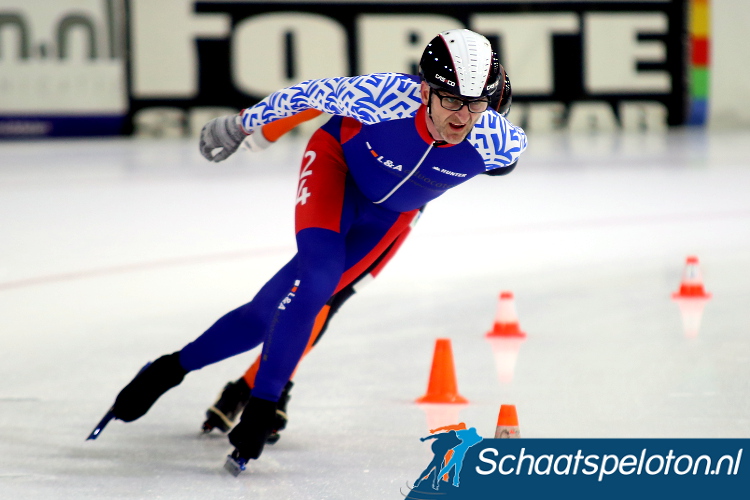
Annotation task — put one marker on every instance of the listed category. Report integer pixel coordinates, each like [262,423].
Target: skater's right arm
[271,132]
[221,137]
[369,99]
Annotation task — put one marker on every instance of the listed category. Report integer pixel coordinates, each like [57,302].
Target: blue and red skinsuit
[364,176]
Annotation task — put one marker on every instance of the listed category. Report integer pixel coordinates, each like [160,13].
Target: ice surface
[114,252]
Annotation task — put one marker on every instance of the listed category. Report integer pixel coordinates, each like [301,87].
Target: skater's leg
[237,331]
[339,298]
[321,255]
[241,329]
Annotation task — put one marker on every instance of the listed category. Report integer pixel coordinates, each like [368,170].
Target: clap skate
[153,380]
[251,434]
[228,407]
[233,399]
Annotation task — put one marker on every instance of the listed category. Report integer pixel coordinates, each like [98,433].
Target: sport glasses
[453,103]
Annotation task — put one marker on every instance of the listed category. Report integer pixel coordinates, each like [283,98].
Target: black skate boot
[250,435]
[281,416]
[227,407]
[142,392]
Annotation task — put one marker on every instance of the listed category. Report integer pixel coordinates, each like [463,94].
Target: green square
[699,82]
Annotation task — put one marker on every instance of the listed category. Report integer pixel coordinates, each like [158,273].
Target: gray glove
[221,137]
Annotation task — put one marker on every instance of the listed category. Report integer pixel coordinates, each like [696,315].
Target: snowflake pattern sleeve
[498,141]
[369,99]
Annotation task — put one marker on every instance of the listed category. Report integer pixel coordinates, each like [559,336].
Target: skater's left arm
[498,141]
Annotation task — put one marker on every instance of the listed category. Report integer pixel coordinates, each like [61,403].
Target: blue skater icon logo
[443,473]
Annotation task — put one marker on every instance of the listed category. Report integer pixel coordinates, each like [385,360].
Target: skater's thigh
[321,189]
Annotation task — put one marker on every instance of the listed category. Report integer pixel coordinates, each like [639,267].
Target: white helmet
[463,63]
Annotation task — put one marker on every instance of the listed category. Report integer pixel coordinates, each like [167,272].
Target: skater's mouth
[457,126]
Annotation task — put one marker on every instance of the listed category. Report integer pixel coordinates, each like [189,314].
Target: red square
[700,53]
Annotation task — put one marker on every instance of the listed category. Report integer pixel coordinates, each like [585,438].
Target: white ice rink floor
[114,252]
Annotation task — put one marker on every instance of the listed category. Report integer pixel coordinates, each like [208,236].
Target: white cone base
[691,310]
[505,351]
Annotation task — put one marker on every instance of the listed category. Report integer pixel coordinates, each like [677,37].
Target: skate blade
[101,425]
[110,414]
[235,466]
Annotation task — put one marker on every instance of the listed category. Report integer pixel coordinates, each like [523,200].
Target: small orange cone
[691,298]
[692,281]
[506,319]
[507,423]
[442,387]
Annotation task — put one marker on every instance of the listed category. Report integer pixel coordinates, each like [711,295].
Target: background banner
[579,65]
[62,68]
[77,67]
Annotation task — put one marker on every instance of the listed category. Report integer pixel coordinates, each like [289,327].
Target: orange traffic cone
[692,281]
[442,387]
[506,319]
[691,298]
[507,423]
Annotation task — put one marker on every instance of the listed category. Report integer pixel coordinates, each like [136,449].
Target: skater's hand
[221,137]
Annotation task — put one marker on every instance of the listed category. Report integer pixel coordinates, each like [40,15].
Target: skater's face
[450,125]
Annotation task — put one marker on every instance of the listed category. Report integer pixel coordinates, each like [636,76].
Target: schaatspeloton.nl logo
[466,466]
